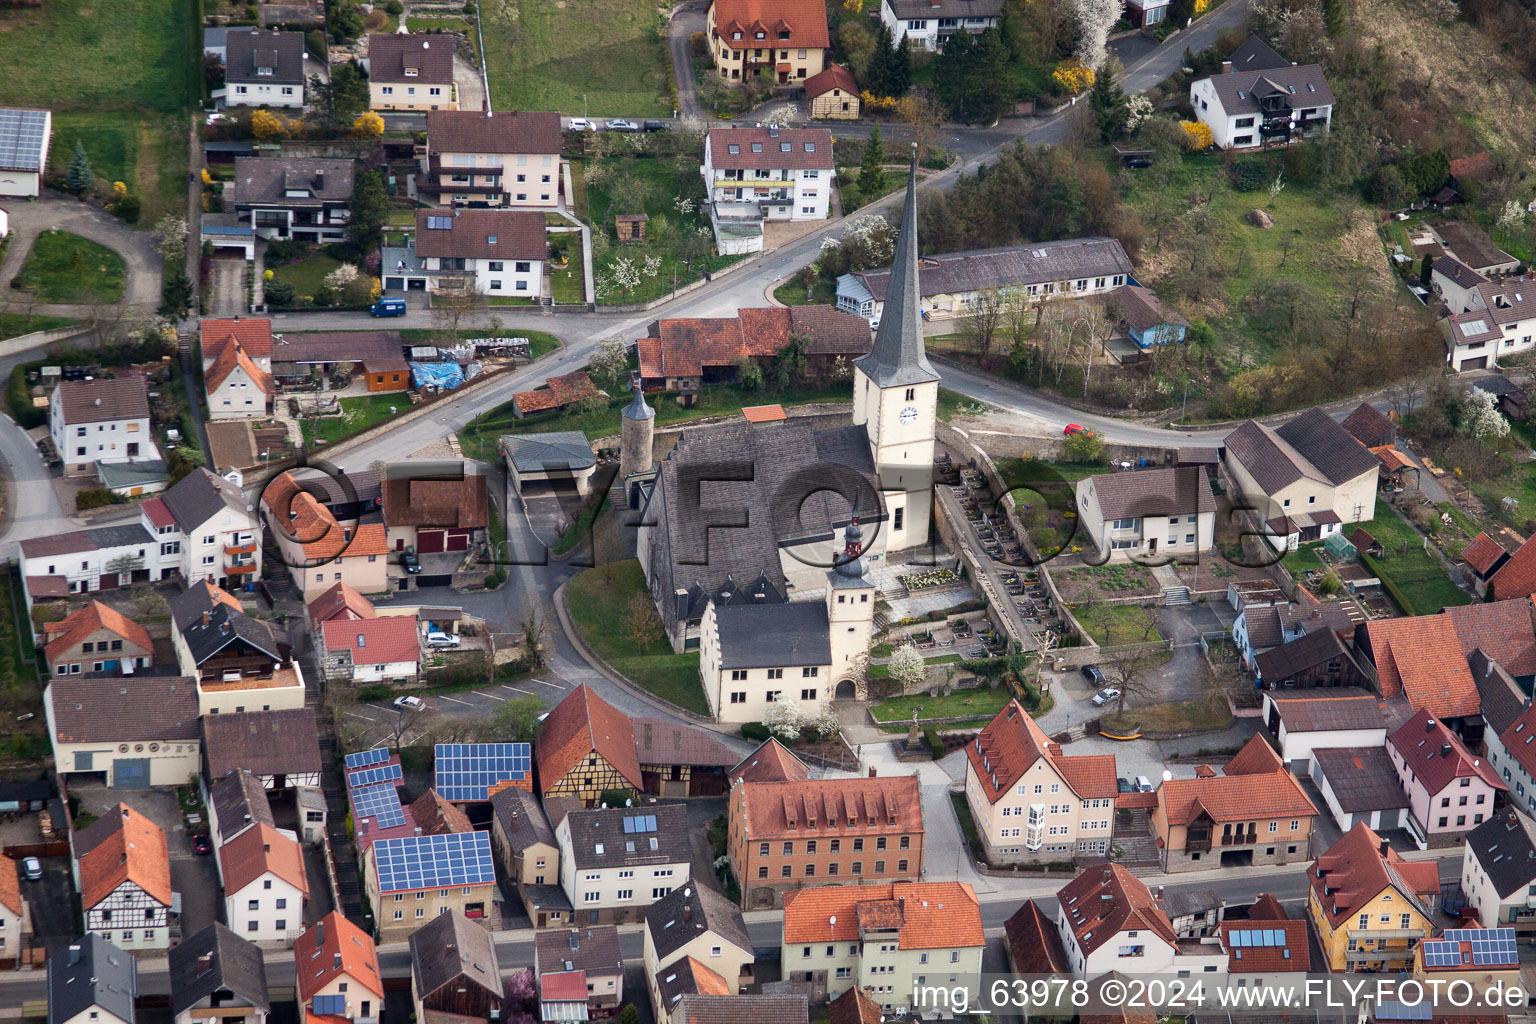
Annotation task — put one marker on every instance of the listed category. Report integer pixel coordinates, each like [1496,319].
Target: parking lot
[377,719]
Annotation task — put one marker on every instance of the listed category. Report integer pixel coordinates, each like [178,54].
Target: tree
[516,721]
[981,326]
[406,718]
[608,361]
[858,43]
[176,297]
[824,721]
[81,178]
[871,168]
[1127,671]
[171,238]
[923,118]
[908,668]
[640,623]
[1095,19]
[1481,416]
[788,366]
[367,125]
[367,212]
[880,61]
[629,1015]
[124,565]
[1083,446]
[267,125]
[784,719]
[1108,102]
[213,71]
[452,309]
[535,628]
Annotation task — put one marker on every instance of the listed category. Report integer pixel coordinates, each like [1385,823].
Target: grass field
[792,293]
[1185,716]
[445,24]
[973,703]
[1113,624]
[608,59]
[1303,559]
[596,597]
[357,414]
[1417,573]
[12,324]
[67,268]
[308,275]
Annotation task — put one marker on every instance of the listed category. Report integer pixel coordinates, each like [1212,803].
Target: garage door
[1480,363]
[429,542]
[394,284]
[130,773]
[436,580]
[458,540]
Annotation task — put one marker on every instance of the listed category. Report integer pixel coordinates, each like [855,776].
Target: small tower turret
[850,612]
[637,434]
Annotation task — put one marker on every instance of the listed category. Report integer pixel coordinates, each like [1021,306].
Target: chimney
[1445,750]
[687,911]
[205,618]
[1385,846]
[1226,67]
[204,964]
[319,934]
[1429,725]
[336,962]
[319,181]
[872,771]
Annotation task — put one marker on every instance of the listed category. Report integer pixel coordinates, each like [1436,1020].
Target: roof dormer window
[412,72]
[735,36]
[761,35]
[785,147]
[733,148]
[757,147]
[263,71]
[784,36]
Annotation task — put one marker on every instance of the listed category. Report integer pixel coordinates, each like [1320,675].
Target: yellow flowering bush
[368,125]
[873,104]
[119,189]
[1197,136]
[267,125]
[207,178]
[1073,77]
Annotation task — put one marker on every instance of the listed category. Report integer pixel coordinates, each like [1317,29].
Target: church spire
[898,357]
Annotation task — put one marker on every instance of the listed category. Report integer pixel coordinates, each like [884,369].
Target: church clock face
[909,415]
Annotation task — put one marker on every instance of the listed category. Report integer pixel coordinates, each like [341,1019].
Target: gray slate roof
[1175,491]
[1457,271]
[1471,244]
[1306,651]
[1326,709]
[91,972]
[742,1009]
[225,626]
[430,56]
[266,742]
[1361,778]
[1304,86]
[598,839]
[594,950]
[233,963]
[1508,299]
[1311,445]
[121,709]
[1501,697]
[449,947]
[774,635]
[532,453]
[1254,54]
[1505,846]
[671,928]
[94,539]
[236,796]
[248,49]
[1011,267]
[925,9]
[201,495]
[268,180]
[899,357]
[521,817]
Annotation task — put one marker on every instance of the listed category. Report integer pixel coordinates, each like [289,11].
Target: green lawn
[67,268]
[1114,624]
[952,404]
[974,703]
[539,343]
[1416,573]
[578,530]
[792,293]
[1303,559]
[357,414]
[308,275]
[854,197]
[13,324]
[147,153]
[596,597]
[567,284]
[1177,716]
[607,59]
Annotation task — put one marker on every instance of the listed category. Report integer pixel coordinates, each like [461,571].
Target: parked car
[202,844]
[1143,784]
[1074,428]
[656,126]
[619,124]
[581,124]
[1124,786]
[408,703]
[1093,674]
[409,560]
[32,868]
[1105,696]
[387,307]
[437,638]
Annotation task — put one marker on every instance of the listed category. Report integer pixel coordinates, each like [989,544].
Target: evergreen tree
[871,170]
[992,83]
[368,209]
[879,73]
[1179,12]
[951,74]
[81,177]
[970,77]
[1108,101]
[899,68]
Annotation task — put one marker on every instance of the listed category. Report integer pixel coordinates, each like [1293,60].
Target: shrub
[279,293]
[394,7]
[1197,136]
[374,692]
[615,797]
[934,741]
[1249,175]
[757,732]
[128,208]
[98,497]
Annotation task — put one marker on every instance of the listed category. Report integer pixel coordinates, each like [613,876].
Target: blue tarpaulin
[445,375]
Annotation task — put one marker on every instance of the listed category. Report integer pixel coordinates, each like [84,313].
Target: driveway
[57,211]
[228,284]
[55,908]
[685,22]
[471,87]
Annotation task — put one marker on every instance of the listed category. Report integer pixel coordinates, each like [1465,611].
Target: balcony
[240,570]
[1359,956]
[775,182]
[240,549]
[1192,845]
[1367,934]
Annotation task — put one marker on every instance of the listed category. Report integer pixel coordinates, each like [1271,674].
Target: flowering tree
[908,667]
[683,204]
[1483,418]
[267,125]
[784,719]
[652,265]
[341,277]
[1094,18]
[1137,109]
[824,722]
[1511,216]
[368,125]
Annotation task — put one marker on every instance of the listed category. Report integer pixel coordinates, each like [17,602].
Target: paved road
[65,213]
[679,29]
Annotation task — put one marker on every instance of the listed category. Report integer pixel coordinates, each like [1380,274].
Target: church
[738,533]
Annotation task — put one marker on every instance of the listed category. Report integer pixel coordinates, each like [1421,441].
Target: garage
[1480,363]
[560,462]
[130,773]
[430,542]
[457,540]
[394,284]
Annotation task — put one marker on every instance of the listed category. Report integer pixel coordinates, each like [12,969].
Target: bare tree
[980,328]
[451,310]
[923,118]
[1129,672]
[406,718]
[640,623]
[534,623]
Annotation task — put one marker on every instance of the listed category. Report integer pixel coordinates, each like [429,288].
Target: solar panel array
[467,771]
[1491,947]
[635,824]
[372,776]
[1389,1009]
[364,758]
[381,803]
[434,862]
[23,134]
[1256,937]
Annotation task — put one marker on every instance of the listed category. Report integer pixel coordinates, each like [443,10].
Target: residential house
[1368,906]
[529,855]
[1153,513]
[586,746]
[1471,245]
[336,972]
[615,862]
[101,421]
[559,392]
[833,94]
[1303,720]
[1029,801]
[1483,558]
[434,510]
[96,638]
[1316,658]
[506,158]
[236,801]
[411,878]
[341,603]
[756,1008]
[265,69]
[1504,630]
[1255,812]
[1480,960]
[1511,753]
[15,914]
[92,982]
[489,252]
[1498,871]
[1499,322]
[219,534]
[591,952]
[24,137]
[953,284]
[1455,283]
[790,835]
[785,42]
[1502,700]
[454,970]
[1146,318]
[130,731]
[786,173]
[410,72]
[302,198]
[218,975]
[237,367]
[1108,920]
[282,748]
[1260,99]
[685,354]
[265,887]
[123,873]
[681,760]
[1269,622]
[562,996]
[237,662]
[1421,658]
[1515,578]
[694,930]
[1268,949]
[1192,913]
[382,649]
[927,25]
[321,551]
[1305,479]
[1033,943]
[885,939]
[475,772]
[1360,786]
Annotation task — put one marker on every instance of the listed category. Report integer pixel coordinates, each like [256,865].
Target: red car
[1073,428]
[202,844]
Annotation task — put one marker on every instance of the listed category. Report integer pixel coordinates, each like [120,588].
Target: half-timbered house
[123,873]
[587,746]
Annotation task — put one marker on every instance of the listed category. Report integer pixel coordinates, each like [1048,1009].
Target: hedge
[935,744]
[757,732]
[1392,589]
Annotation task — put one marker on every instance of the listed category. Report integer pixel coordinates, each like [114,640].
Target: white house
[615,862]
[265,69]
[1302,720]
[1499,321]
[1512,754]
[96,421]
[221,534]
[130,731]
[24,139]
[381,649]
[1498,871]
[265,886]
[92,982]
[15,915]
[1456,283]
[123,873]
[787,172]
[928,24]
[1261,98]
[493,252]
[1155,513]
[1359,785]
[1109,921]
[218,975]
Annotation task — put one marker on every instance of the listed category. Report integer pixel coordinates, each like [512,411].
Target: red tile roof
[770,762]
[563,987]
[255,336]
[1293,955]
[1096,920]
[1267,908]
[1392,460]
[1516,577]
[1482,553]
[854,1007]
[377,641]
[558,393]
[10,886]
[230,357]
[1034,943]
[927,915]
[342,602]
[157,513]
[1519,737]
[685,347]
[315,529]
[127,847]
[451,502]
[1503,629]
[1011,744]
[831,807]
[805,20]
[1354,872]
[1421,658]
[1256,758]
[1249,794]
[70,631]
[764,414]
[579,725]
[258,850]
[331,948]
[835,76]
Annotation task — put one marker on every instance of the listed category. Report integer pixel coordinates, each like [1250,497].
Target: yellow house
[1369,906]
[786,40]
[411,72]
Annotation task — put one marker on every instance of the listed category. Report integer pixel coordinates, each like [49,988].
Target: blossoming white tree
[1094,18]
[784,718]
[1484,421]
[908,667]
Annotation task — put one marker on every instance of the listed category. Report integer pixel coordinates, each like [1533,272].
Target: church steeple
[898,358]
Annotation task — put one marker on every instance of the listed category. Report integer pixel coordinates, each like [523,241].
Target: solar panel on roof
[467,771]
[1389,1009]
[430,862]
[23,136]
[364,758]
[372,776]
[381,803]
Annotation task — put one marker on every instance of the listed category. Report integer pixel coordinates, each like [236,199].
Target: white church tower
[896,393]
[850,615]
